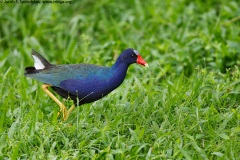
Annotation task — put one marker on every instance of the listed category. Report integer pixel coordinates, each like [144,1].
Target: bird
[82,83]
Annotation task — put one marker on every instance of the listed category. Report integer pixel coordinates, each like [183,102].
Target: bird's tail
[40,63]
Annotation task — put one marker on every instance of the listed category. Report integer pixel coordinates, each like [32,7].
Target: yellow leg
[69,111]
[63,108]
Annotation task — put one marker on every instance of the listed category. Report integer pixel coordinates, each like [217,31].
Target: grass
[185,106]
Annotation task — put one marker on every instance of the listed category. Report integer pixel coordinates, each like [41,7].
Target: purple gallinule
[84,83]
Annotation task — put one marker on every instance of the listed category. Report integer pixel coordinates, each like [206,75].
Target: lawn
[185,106]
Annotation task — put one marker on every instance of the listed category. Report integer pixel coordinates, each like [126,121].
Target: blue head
[130,56]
